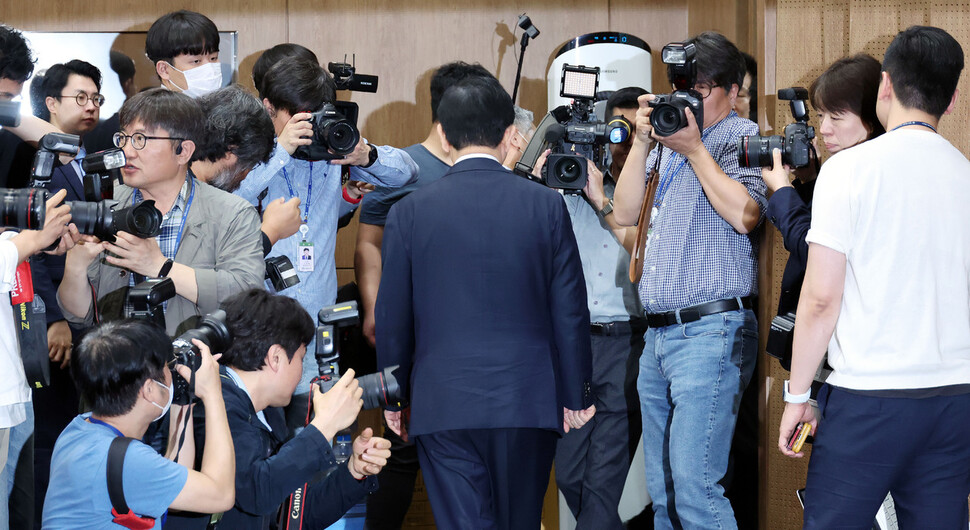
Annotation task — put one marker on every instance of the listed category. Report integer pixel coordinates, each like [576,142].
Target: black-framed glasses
[138,140]
[704,89]
[82,98]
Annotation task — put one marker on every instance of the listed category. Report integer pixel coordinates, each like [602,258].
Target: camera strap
[291,518]
[643,222]
[30,318]
[123,515]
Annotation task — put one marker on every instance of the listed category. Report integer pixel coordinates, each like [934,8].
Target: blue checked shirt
[168,238]
[693,255]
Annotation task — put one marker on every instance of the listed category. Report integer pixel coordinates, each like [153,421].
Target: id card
[304,257]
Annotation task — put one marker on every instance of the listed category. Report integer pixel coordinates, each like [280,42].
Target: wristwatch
[371,156]
[795,398]
[166,268]
[607,210]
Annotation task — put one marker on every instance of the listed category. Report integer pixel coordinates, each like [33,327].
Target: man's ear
[275,358]
[147,390]
[953,102]
[269,107]
[733,93]
[445,146]
[184,155]
[50,102]
[885,87]
[162,69]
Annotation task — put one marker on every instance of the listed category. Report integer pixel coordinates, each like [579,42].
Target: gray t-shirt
[376,204]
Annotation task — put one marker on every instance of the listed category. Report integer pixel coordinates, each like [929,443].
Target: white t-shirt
[898,207]
[14,392]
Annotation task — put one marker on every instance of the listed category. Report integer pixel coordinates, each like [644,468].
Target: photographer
[844,97]
[700,263]
[239,136]
[123,372]
[260,371]
[209,243]
[184,47]
[289,88]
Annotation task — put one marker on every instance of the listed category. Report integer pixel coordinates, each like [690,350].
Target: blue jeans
[19,436]
[690,384]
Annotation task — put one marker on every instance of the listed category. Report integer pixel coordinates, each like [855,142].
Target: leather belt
[692,314]
[622,327]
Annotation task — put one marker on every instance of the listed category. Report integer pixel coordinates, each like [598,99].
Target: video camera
[346,77]
[573,134]
[668,115]
[796,144]
[380,389]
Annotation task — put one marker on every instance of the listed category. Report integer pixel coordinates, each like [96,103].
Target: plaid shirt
[693,255]
[168,238]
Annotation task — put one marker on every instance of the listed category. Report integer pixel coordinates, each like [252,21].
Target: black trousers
[487,478]
[592,463]
[387,507]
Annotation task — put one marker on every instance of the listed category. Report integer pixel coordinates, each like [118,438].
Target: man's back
[500,323]
[896,207]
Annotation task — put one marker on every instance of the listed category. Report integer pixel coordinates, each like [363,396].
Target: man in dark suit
[482,302]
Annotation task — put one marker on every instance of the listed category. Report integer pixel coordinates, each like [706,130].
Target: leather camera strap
[643,223]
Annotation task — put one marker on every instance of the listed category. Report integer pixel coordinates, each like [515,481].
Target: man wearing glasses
[700,272]
[209,243]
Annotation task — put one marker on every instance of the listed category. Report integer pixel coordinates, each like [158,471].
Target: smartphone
[798,436]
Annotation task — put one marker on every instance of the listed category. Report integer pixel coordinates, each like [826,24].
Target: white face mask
[201,80]
[171,395]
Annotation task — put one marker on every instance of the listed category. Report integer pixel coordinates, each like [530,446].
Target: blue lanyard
[665,181]
[914,122]
[92,419]
[185,215]
[309,191]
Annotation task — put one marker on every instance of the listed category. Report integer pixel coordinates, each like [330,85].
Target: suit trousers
[914,449]
[592,463]
[487,478]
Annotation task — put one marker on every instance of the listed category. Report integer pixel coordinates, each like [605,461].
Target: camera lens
[755,150]
[142,220]
[568,169]
[341,136]
[667,119]
[23,208]
[87,216]
[380,388]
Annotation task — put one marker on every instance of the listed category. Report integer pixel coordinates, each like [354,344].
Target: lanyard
[185,212]
[914,122]
[665,182]
[309,192]
[92,419]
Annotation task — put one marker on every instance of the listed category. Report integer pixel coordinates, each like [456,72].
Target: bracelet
[795,398]
[350,200]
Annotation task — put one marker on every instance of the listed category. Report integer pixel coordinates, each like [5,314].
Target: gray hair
[523,121]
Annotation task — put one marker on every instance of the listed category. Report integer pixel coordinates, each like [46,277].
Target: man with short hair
[387,507]
[260,371]
[482,305]
[592,463]
[184,47]
[887,297]
[122,369]
[209,243]
[16,67]
[101,137]
[291,87]
[700,263]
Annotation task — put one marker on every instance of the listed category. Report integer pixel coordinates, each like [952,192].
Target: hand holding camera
[298,131]
[338,407]
[135,254]
[778,175]
[360,156]
[207,383]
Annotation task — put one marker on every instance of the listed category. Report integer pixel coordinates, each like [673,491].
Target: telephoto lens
[23,208]
[102,220]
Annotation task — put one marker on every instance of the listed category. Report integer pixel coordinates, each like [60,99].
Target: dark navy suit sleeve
[570,315]
[789,213]
[329,500]
[45,288]
[394,310]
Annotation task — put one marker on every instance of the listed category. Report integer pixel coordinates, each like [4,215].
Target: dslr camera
[668,115]
[573,134]
[335,133]
[214,334]
[795,145]
[380,389]
[24,208]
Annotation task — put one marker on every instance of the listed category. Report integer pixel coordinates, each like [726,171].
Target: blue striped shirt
[693,255]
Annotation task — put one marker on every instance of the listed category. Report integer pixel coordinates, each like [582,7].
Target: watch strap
[166,268]
[607,210]
[795,398]
[371,156]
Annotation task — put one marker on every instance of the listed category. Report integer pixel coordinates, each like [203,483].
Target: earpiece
[178,149]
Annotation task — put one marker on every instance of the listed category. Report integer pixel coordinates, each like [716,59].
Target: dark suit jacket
[46,270]
[16,160]
[790,210]
[483,303]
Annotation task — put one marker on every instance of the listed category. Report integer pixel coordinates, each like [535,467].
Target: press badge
[305,257]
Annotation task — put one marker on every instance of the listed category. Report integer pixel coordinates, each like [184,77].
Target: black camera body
[335,133]
[345,76]
[668,115]
[381,389]
[214,334]
[795,145]
[573,134]
[104,219]
[147,297]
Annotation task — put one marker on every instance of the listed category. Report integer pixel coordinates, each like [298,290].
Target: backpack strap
[116,492]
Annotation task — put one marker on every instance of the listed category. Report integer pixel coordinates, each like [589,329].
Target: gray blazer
[221,241]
